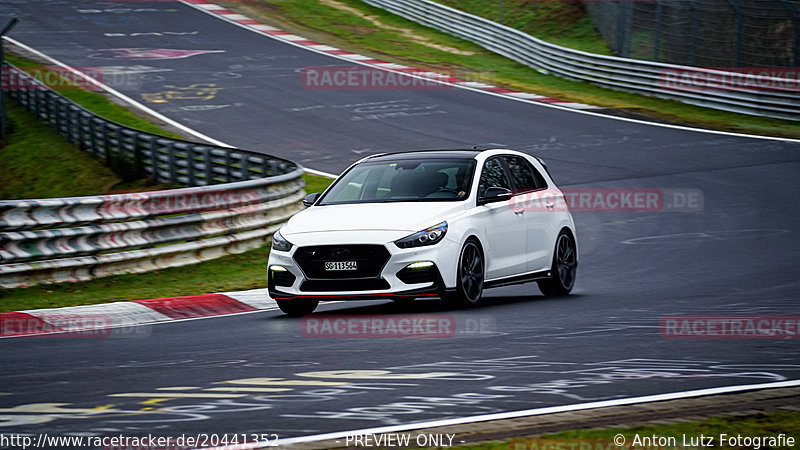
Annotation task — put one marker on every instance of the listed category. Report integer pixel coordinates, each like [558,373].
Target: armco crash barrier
[75,239]
[780,97]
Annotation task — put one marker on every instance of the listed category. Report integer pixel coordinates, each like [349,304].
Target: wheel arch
[571,234]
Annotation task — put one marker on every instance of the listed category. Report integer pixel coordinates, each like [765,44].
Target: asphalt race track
[735,253]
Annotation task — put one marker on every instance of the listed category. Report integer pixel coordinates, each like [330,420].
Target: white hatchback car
[444,223]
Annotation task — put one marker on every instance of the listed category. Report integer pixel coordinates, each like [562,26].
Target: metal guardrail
[80,238]
[780,99]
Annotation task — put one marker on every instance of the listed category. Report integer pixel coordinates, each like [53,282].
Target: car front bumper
[415,272]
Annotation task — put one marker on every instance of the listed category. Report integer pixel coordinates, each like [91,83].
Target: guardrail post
[92,137]
[104,137]
[209,171]
[171,163]
[245,175]
[228,172]
[190,168]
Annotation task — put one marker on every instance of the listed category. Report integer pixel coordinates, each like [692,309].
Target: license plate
[340,265]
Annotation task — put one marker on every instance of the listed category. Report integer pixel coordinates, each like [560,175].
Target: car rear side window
[526,177]
[493,176]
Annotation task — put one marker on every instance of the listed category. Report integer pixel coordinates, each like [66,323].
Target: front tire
[297,308]
[564,268]
[469,285]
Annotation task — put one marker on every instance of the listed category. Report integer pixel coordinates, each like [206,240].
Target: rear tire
[470,275]
[297,308]
[564,268]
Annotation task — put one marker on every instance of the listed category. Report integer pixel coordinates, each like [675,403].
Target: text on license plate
[340,265]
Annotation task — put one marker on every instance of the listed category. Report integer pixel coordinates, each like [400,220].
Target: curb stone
[76,319]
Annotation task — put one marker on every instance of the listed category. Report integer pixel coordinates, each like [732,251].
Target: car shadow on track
[432,305]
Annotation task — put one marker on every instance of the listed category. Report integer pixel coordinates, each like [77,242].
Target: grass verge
[771,424]
[37,163]
[351,25]
[90,100]
[562,23]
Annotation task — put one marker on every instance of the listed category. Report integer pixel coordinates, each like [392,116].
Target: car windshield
[403,180]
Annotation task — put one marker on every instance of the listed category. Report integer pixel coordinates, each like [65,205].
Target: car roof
[457,153]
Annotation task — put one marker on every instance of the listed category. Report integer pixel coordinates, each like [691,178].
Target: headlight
[279,243]
[428,236]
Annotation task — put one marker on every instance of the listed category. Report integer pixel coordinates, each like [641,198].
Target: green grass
[93,101]
[770,424]
[343,29]
[565,23]
[316,183]
[37,163]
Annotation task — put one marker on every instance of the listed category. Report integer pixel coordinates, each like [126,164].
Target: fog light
[418,272]
[280,276]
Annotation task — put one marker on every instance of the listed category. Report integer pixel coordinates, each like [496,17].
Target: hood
[407,217]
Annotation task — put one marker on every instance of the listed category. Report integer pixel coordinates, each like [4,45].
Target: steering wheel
[444,189]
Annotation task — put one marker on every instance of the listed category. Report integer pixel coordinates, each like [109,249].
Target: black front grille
[369,260]
[344,285]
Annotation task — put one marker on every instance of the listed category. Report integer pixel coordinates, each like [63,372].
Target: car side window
[526,177]
[493,175]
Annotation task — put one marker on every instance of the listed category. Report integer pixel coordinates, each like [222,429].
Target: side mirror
[311,199]
[494,194]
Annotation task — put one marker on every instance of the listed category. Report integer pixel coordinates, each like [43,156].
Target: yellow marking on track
[54,408]
[154,401]
[201,91]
